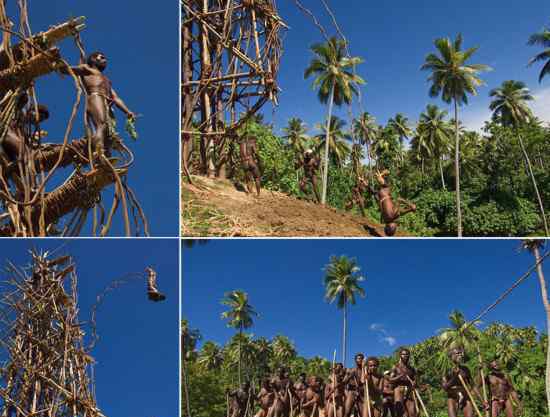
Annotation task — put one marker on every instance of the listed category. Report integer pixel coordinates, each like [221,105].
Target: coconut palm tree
[211,356]
[534,246]
[338,147]
[435,133]
[460,334]
[283,350]
[541,38]
[510,108]
[454,79]
[400,124]
[189,339]
[240,315]
[342,283]
[337,83]
[367,130]
[296,135]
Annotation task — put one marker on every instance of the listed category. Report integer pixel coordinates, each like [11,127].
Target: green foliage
[522,350]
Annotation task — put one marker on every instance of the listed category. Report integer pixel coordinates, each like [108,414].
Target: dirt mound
[217,208]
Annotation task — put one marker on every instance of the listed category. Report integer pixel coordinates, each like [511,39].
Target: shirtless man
[502,392]
[265,398]
[375,388]
[100,98]
[281,386]
[250,160]
[390,212]
[335,393]
[354,387]
[357,195]
[457,396]
[152,291]
[311,164]
[300,388]
[403,378]
[388,394]
[239,402]
[311,406]
[21,131]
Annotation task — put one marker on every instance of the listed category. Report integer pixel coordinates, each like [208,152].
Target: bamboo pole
[474,404]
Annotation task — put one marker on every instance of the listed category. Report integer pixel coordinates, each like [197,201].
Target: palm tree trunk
[240,338]
[546,302]
[535,186]
[457,172]
[442,176]
[344,334]
[327,140]
[185,388]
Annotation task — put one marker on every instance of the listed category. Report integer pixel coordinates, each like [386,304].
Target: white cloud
[383,335]
[541,105]
[392,341]
[474,118]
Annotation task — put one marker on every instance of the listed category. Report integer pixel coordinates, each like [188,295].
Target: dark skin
[354,387]
[388,394]
[100,97]
[311,164]
[300,388]
[239,401]
[357,195]
[312,403]
[281,387]
[390,212]
[457,397]
[250,158]
[403,378]
[375,387]
[502,393]
[335,393]
[265,399]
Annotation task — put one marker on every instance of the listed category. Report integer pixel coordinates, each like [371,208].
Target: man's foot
[155,295]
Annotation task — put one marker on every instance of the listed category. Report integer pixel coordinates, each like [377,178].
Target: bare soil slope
[217,208]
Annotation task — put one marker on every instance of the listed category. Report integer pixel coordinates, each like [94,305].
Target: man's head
[359,358]
[495,365]
[308,154]
[303,377]
[246,385]
[457,355]
[97,60]
[265,383]
[281,371]
[390,229]
[372,365]
[405,355]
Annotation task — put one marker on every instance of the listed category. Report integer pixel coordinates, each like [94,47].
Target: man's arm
[120,104]
[80,70]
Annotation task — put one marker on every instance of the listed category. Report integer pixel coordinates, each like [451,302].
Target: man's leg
[468,409]
[452,407]
[404,207]
[315,189]
[399,402]
[257,176]
[509,408]
[410,405]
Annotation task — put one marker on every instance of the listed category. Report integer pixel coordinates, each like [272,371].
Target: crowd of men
[365,391]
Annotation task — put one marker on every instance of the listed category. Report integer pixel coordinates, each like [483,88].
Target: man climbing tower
[100,98]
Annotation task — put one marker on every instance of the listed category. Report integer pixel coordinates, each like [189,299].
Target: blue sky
[137,353]
[411,287]
[141,44]
[394,38]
